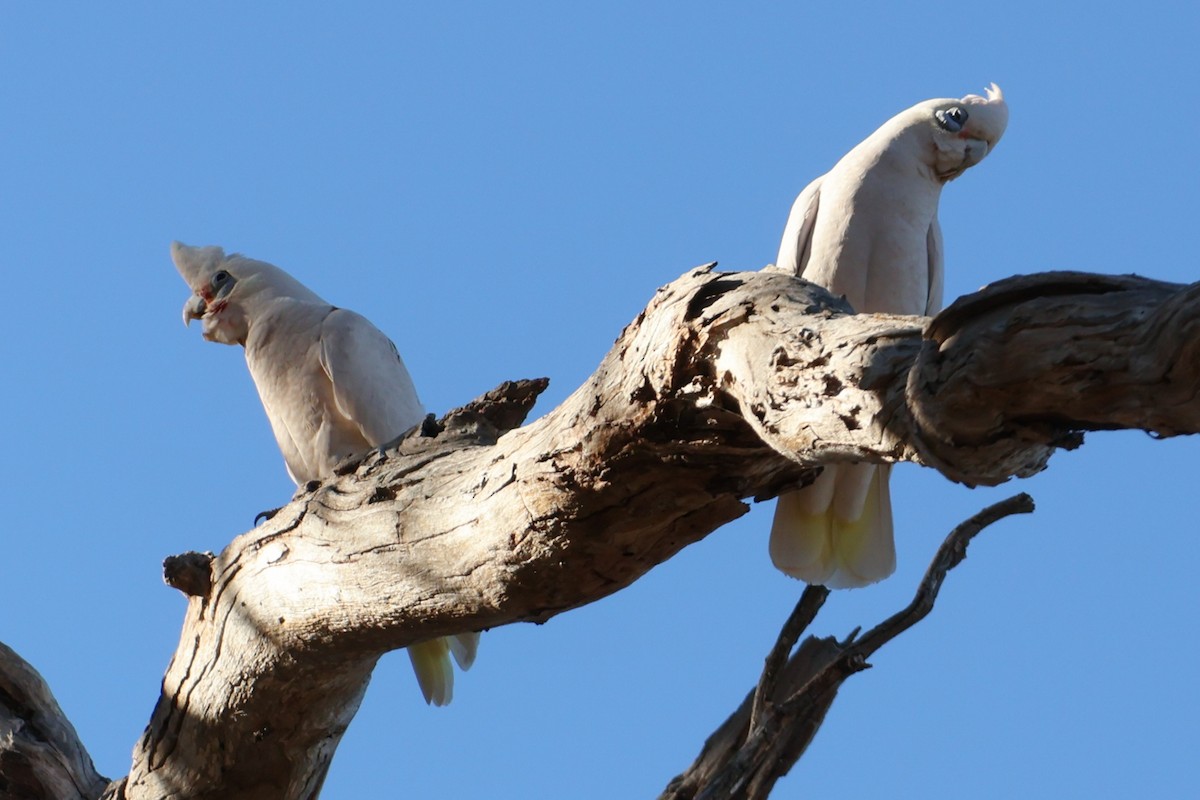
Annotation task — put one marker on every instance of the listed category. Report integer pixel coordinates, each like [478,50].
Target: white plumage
[331,383]
[868,230]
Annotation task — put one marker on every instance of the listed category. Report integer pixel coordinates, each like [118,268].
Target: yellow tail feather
[840,538]
[431,663]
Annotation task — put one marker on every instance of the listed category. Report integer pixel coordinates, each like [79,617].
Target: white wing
[371,385]
[796,244]
[933,244]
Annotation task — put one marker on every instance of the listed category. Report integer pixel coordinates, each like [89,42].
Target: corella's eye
[220,279]
[952,119]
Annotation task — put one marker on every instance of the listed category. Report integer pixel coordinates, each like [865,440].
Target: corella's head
[960,132]
[228,291]
[213,302]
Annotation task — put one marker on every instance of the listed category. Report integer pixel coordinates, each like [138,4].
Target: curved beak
[194,308]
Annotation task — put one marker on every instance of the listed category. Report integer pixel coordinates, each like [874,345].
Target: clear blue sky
[501,187]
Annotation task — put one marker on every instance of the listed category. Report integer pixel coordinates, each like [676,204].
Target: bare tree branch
[727,387]
[811,601]
[1038,358]
[41,757]
[769,732]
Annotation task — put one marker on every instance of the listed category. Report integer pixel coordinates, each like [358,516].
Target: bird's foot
[264,516]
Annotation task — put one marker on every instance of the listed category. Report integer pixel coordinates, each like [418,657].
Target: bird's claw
[264,516]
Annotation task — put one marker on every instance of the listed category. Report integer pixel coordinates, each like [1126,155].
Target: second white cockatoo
[868,230]
[332,385]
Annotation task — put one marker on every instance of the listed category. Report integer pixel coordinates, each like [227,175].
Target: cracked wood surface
[727,386]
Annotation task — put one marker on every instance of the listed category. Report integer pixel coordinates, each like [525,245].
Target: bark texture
[727,387]
[777,721]
[41,757]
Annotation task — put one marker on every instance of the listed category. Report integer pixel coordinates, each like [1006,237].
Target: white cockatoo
[868,230]
[331,383]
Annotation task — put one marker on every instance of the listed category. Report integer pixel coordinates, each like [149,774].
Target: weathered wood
[727,387]
[767,734]
[41,757]
[1032,360]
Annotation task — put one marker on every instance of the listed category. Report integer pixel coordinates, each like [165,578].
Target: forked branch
[728,386]
[769,732]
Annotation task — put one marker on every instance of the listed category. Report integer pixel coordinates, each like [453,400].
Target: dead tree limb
[727,387]
[769,732]
[40,753]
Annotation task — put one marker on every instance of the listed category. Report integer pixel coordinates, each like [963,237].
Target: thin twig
[763,739]
[949,555]
[801,617]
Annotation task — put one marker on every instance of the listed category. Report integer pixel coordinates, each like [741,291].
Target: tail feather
[463,647]
[841,538]
[431,663]
[865,547]
[801,541]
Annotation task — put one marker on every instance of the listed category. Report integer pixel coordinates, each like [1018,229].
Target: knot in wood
[190,573]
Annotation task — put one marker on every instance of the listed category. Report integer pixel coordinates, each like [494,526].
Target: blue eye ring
[952,119]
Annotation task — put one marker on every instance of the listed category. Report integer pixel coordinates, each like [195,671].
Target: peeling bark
[726,387]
